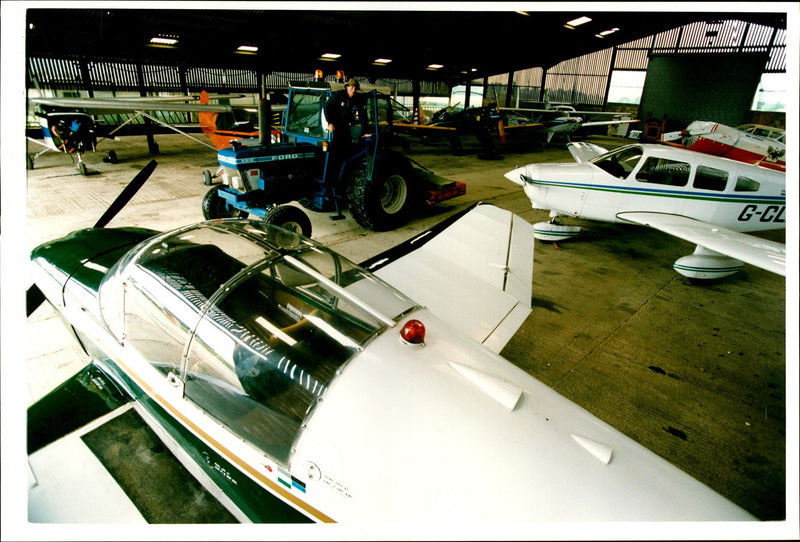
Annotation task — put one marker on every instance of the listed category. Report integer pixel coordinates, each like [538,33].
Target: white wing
[762,253]
[97,104]
[476,274]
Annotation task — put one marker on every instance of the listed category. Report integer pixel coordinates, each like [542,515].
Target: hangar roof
[479,39]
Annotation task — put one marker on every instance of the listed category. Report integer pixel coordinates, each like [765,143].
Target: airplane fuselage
[720,140]
[662,179]
[374,429]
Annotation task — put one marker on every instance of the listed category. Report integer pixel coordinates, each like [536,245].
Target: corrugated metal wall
[584,80]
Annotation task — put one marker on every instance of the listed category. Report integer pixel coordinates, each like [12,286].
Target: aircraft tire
[28,162]
[214,207]
[206,177]
[290,218]
[383,202]
[82,168]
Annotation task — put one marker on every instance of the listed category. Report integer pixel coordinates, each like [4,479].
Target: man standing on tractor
[347,121]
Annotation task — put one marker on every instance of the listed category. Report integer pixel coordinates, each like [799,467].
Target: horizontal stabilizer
[762,253]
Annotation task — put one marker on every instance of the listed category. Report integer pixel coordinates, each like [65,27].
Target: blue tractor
[377,182]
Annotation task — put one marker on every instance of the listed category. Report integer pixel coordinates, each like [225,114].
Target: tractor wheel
[214,206]
[289,218]
[206,177]
[382,203]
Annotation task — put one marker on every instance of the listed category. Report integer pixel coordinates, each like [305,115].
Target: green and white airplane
[279,372]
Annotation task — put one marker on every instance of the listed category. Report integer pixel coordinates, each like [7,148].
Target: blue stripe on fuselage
[663,192]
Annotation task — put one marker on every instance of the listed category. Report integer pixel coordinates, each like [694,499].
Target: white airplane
[68,124]
[559,119]
[751,143]
[698,197]
[278,370]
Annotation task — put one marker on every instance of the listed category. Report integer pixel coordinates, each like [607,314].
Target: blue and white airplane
[704,199]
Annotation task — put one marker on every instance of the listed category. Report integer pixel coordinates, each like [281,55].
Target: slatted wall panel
[221,80]
[580,80]
[113,76]
[55,73]
[161,78]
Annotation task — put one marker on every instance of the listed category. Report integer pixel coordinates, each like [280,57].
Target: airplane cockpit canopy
[254,320]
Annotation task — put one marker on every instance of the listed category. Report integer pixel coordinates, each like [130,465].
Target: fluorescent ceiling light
[382,60]
[247,48]
[159,40]
[577,22]
[331,56]
[606,32]
[435,66]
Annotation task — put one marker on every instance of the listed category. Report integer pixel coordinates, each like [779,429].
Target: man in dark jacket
[344,112]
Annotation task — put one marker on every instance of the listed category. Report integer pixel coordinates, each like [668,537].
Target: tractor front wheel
[214,206]
[381,203]
[289,218]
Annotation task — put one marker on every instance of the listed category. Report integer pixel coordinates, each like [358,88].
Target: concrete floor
[695,373]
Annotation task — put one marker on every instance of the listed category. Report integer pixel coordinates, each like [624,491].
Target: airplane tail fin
[208,120]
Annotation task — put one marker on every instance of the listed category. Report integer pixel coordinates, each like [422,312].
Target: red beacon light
[413,333]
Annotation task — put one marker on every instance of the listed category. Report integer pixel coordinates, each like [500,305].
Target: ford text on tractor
[379,184]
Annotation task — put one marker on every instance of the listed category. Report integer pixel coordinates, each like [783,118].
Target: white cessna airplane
[701,198]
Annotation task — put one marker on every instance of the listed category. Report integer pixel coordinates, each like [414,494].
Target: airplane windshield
[619,162]
[255,320]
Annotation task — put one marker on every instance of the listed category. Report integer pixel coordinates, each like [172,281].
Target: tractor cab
[375,181]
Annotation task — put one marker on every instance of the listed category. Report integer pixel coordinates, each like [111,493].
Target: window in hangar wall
[772,93]
[626,87]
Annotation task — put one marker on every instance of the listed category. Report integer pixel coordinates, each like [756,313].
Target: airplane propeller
[34,296]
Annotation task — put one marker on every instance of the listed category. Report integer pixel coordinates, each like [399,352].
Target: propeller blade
[126,195]
[33,298]
[502,130]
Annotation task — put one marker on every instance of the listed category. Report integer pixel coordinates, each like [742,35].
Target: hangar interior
[696,374]
[100,53]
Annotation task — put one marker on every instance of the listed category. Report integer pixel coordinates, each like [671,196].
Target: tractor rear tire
[289,218]
[214,207]
[382,203]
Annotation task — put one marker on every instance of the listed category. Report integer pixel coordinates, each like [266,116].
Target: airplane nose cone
[515,175]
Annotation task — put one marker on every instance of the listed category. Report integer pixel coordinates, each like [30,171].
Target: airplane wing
[418,128]
[564,112]
[609,122]
[97,104]
[762,253]
[93,458]
[473,271]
